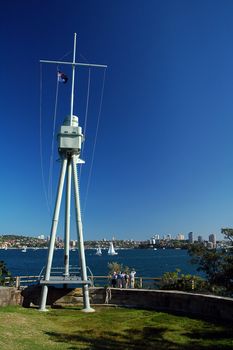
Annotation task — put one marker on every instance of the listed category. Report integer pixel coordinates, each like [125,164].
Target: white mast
[73,76]
[70,139]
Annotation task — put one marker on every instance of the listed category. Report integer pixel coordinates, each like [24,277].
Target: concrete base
[87,310]
[44,310]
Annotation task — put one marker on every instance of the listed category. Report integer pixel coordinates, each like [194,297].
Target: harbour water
[146,262]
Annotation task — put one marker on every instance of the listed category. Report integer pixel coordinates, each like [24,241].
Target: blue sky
[163,161]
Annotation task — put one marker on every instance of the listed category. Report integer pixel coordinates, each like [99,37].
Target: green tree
[217,264]
[4,272]
[177,281]
[228,234]
[114,266]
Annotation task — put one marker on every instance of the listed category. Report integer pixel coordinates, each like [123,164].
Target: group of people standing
[123,279]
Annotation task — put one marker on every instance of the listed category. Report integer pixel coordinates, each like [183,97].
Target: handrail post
[17,282]
[92,280]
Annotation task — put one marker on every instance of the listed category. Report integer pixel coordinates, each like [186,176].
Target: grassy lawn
[108,328]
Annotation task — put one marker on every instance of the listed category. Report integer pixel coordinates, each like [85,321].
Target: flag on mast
[61,77]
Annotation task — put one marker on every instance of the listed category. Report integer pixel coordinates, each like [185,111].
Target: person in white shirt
[132,278]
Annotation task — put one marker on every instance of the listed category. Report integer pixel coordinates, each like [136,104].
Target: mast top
[74,64]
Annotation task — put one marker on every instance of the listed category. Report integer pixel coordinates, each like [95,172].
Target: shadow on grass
[145,338]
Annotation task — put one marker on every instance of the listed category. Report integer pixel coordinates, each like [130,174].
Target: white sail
[111,250]
[98,251]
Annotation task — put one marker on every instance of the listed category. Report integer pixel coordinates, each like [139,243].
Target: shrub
[5,275]
[177,281]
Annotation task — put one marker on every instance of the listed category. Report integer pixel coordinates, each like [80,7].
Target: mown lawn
[108,328]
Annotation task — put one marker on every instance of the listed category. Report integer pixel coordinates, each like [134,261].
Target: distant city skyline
[164,148]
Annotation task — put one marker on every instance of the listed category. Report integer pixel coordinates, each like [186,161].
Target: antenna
[70,140]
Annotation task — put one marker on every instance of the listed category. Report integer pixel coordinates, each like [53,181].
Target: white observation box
[70,136]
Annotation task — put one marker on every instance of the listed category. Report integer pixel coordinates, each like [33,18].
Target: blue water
[146,262]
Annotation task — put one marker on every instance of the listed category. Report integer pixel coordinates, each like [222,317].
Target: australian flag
[61,77]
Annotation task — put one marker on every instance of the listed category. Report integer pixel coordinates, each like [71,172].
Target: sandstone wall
[213,307]
[10,296]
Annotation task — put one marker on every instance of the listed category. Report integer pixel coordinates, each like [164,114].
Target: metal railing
[58,271]
[96,281]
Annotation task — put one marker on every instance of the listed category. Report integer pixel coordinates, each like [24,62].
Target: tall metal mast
[73,76]
[70,140]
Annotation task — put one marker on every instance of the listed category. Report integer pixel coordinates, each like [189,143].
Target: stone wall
[173,301]
[204,306]
[10,296]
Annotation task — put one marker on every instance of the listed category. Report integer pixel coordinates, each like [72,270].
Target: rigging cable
[67,54]
[50,183]
[95,140]
[50,180]
[41,146]
[85,120]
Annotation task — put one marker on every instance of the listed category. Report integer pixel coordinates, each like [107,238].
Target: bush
[177,281]
[5,275]
[114,266]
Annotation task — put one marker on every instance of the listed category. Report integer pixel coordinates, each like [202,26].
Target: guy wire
[95,140]
[50,182]
[41,145]
[85,120]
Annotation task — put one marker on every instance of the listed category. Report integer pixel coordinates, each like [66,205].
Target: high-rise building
[191,237]
[73,243]
[154,239]
[212,239]
[168,237]
[200,239]
[180,237]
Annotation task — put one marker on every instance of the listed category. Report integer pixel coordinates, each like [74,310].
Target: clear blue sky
[164,153]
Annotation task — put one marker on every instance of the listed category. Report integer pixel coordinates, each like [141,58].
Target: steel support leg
[82,259]
[44,291]
[67,219]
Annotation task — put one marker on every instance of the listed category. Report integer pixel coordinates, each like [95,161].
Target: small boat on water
[111,250]
[98,251]
[24,250]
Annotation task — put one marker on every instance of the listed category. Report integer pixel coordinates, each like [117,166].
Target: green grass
[108,328]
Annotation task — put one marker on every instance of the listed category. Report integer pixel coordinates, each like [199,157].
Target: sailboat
[98,251]
[111,250]
[24,250]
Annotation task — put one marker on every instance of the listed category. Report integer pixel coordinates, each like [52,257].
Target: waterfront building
[200,239]
[191,237]
[180,237]
[167,237]
[152,241]
[212,239]
[73,244]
